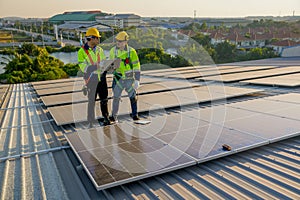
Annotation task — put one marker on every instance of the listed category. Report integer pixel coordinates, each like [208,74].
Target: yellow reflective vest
[88,57]
[129,65]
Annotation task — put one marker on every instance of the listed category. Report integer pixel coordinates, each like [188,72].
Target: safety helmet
[92,32]
[122,36]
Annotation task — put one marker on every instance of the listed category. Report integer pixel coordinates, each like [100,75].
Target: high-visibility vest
[129,65]
[88,57]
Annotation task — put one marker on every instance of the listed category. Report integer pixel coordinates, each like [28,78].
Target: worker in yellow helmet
[127,76]
[89,57]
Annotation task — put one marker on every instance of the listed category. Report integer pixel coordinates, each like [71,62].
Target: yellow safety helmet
[122,36]
[92,32]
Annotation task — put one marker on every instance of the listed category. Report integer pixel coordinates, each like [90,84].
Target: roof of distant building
[126,15]
[285,43]
[76,16]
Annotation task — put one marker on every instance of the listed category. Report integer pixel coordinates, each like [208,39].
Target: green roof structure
[76,16]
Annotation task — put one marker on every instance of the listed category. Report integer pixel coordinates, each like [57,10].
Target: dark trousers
[95,88]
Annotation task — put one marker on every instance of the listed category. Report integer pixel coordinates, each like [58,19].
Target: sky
[152,8]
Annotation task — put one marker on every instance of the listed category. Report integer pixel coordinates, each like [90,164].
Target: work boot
[135,118]
[113,119]
[106,121]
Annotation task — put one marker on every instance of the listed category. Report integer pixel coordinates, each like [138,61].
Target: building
[73,29]
[76,16]
[120,20]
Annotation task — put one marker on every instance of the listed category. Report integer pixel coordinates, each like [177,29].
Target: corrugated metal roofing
[37,163]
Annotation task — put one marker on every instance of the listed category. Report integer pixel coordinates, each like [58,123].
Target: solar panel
[219,114]
[217,71]
[74,113]
[290,112]
[207,141]
[252,74]
[262,105]
[150,102]
[67,98]
[127,152]
[76,86]
[75,97]
[266,126]
[290,98]
[112,157]
[37,83]
[167,73]
[291,80]
[59,90]
[56,85]
[153,72]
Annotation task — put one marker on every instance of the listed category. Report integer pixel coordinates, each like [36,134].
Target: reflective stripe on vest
[90,57]
[91,61]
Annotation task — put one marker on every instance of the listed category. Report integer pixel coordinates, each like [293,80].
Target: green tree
[202,39]
[225,52]
[25,68]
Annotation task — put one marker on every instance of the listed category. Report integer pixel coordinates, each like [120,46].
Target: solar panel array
[126,152]
[76,112]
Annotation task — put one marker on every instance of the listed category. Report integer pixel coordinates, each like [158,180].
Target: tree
[202,39]
[25,68]
[225,52]
[203,26]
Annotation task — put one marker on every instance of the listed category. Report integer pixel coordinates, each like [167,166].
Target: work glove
[136,84]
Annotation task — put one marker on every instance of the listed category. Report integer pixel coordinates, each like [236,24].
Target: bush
[71,69]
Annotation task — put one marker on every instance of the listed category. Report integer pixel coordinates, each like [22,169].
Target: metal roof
[37,163]
[74,17]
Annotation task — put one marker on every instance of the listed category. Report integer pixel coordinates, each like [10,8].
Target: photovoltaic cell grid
[177,69]
[186,70]
[252,75]
[37,84]
[127,152]
[75,86]
[218,71]
[75,97]
[67,114]
[291,80]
